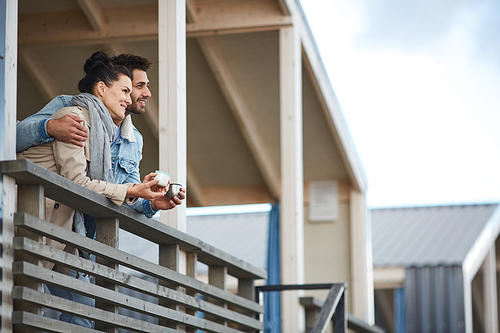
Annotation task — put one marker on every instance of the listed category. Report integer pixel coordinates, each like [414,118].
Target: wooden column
[292,202]
[107,232]
[172,100]
[490,292]
[8,75]
[361,282]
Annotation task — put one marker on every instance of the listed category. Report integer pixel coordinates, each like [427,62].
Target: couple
[89,139]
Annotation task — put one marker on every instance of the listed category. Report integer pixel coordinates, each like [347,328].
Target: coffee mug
[162,177]
[174,190]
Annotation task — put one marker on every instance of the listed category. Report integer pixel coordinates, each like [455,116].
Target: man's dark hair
[132,61]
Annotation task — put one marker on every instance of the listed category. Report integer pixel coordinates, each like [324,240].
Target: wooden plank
[85,200]
[128,260]
[77,309]
[122,300]
[131,282]
[333,300]
[28,320]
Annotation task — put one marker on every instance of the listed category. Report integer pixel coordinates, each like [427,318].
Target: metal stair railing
[331,310]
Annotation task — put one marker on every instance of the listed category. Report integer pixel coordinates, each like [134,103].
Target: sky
[418,83]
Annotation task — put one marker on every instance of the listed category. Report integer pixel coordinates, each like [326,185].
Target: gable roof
[428,236]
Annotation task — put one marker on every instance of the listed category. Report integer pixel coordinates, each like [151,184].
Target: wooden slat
[30,320]
[64,305]
[85,200]
[122,300]
[128,260]
[130,282]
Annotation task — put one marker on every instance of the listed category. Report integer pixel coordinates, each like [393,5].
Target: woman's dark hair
[99,68]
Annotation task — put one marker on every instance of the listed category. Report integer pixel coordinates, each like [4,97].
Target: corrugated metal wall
[434,299]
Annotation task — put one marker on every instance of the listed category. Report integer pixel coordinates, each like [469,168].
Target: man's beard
[134,109]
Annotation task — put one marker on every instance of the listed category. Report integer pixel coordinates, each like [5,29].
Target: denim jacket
[125,155]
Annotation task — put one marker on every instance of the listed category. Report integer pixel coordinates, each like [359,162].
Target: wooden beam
[95,25]
[191,15]
[242,113]
[389,278]
[72,28]
[41,77]
[228,15]
[94,14]
[332,111]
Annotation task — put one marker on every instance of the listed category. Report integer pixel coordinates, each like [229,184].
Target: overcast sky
[419,85]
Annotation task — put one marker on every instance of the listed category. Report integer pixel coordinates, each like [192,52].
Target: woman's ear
[100,89]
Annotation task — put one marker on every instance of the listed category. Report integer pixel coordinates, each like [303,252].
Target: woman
[105,94]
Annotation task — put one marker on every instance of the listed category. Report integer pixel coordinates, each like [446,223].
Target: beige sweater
[70,161]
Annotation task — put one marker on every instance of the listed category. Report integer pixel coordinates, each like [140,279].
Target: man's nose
[147,93]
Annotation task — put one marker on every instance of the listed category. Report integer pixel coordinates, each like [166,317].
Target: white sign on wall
[323,201]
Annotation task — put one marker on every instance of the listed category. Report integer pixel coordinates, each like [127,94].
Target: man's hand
[166,203]
[68,129]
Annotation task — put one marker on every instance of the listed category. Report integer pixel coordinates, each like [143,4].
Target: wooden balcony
[180,301]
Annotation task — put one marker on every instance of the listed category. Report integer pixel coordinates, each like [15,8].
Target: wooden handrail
[223,311]
[71,194]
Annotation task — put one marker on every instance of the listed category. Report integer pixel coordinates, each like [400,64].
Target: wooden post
[490,292]
[107,232]
[8,76]
[169,258]
[31,201]
[361,281]
[217,276]
[172,100]
[292,188]
[191,270]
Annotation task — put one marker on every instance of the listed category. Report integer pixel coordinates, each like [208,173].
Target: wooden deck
[182,303]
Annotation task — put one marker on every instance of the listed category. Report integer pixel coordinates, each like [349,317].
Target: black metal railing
[332,310]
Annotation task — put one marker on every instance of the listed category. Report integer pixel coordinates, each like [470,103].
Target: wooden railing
[182,303]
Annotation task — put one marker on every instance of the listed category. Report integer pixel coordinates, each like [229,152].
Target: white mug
[163,178]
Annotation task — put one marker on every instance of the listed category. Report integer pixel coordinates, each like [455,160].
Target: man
[126,150]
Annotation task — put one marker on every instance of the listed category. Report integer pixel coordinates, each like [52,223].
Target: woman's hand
[147,189]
